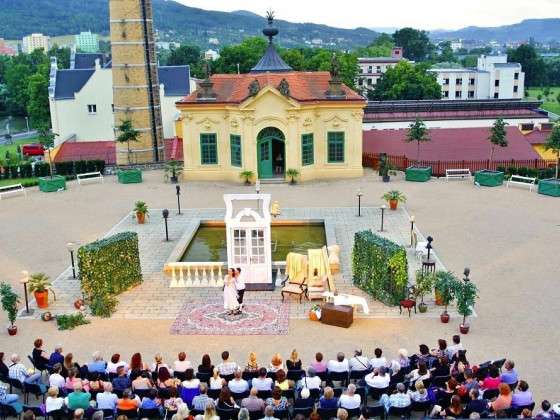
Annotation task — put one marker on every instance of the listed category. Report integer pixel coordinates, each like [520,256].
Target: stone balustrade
[196,274]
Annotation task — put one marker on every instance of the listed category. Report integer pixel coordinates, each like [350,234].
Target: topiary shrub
[108,267]
[379,267]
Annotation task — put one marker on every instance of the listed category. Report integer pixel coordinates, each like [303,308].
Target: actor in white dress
[230,292]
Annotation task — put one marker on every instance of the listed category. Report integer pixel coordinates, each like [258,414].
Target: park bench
[522,180]
[457,174]
[88,176]
[12,189]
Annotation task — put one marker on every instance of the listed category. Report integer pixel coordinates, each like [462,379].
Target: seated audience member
[68,364]
[17,370]
[136,363]
[151,400]
[359,363]
[460,363]
[262,382]
[378,359]
[509,375]
[165,380]
[282,381]
[78,398]
[451,388]
[305,400]
[206,365]
[442,368]
[349,399]
[182,364]
[243,414]
[276,363]
[476,405]
[238,384]
[78,414]
[399,399]
[40,357]
[546,411]
[190,382]
[56,356]
[225,401]
[441,350]
[311,381]
[142,382]
[423,355]
[216,381]
[522,396]
[199,401]
[74,378]
[421,373]
[277,401]
[116,363]
[452,349]
[158,363]
[269,413]
[106,400]
[253,402]
[55,378]
[526,414]
[319,364]
[419,394]
[53,401]
[210,412]
[182,413]
[470,382]
[227,367]
[503,402]
[10,399]
[492,381]
[121,382]
[252,363]
[403,359]
[378,378]
[294,362]
[338,365]
[328,400]
[95,384]
[455,409]
[172,402]
[128,401]
[97,363]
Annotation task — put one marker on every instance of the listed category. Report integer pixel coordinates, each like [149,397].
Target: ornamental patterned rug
[265,317]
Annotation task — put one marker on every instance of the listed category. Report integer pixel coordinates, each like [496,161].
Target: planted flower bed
[550,187]
[48,184]
[488,178]
[418,173]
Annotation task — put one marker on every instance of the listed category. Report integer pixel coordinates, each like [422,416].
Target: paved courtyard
[507,237]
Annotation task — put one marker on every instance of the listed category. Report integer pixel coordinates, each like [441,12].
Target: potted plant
[386,169]
[52,182]
[127,134]
[394,197]
[141,209]
[9,304]
[247,176]
[466,294]
[551,186]
[424,285]
[315,313]
[293,174]
[39,285]
[418,132]
[498,137]
[445,286]
[173,171]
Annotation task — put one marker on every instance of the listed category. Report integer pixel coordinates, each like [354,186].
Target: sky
[423,14]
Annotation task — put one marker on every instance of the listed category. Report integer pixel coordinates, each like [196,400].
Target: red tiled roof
[451,115]
[449,144]
[304,86]
[173,148]
[537,136]
[87,150]
[5,50]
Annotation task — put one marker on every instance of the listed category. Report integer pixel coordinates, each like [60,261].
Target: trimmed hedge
[25,170]
[108,267]
[530,172]
[379,267]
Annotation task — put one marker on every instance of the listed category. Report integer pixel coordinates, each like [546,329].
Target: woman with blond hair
[53,401]
[294,362]
[276,363]
[252,364]
[216,381]
[419,394]
[210,412]
[158,363]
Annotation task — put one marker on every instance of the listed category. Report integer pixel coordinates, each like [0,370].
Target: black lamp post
[258,186]
[359,195]
[383,207]
[24,280]
[71,246]
[412,219]
[429,246]
[466,272]
[178,188]
[165,214]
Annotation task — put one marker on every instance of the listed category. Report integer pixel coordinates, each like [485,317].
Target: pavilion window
[335,146]
[235,150]
[307,157]
[208,149]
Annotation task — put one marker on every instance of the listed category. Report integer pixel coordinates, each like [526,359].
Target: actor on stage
[240,286]
[230,292]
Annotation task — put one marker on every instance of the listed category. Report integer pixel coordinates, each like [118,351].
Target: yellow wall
[544,154]
[270,109]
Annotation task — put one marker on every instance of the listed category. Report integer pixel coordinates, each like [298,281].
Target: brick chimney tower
[135,78]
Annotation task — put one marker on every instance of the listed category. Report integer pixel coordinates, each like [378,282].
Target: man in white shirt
[56,379]
[338,365]
[238,384]
[380,381]
[378,360]
[240,287]
[350,400]
[106,400]
[311,381]
[359,363]
[226,367]
[455,347]
[262,383]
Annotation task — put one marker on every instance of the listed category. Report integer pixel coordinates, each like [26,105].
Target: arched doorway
[271,153]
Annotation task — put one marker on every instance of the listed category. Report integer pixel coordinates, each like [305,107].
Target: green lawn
[4,182]
[12,148]
[550,104]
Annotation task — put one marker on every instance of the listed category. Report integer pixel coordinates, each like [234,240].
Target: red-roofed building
[6,49]
[87,150]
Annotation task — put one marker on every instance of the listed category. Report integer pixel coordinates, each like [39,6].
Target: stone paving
[154,299]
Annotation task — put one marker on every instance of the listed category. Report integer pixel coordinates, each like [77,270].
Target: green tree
[418,132]
[553,143]
[246,55]
[46,137]
[498,136]
[38,99]
[446,54]
[294,58]
[381,47]
[416,43]
[17,78]
[531,63]
[406,81]
[186,55]
[62,55]
[127,133]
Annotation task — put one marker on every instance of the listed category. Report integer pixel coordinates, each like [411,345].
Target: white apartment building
[81,98]
[493,78]
[34,42]
[372,68]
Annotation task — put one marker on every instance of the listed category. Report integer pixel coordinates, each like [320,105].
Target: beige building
[372,68]
[34,42]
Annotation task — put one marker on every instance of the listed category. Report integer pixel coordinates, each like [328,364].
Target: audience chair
[375,411]
[327,413]
[490,394]
[149,413]
[282,414]
[256,414]
[8,411]
[358,375]
[249,376]
[227,414]
[422,407]
[305,412]
[263,395]
[130,414]
[289,394]
[36,410]
[203,377]
[402,412]
[295,375]
[376,393]
[341,377]
[213,393]
[239,395]
[353,413]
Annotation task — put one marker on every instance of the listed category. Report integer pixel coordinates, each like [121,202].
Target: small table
[344,299]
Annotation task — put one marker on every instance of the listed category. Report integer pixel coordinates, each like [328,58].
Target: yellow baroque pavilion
[271,120]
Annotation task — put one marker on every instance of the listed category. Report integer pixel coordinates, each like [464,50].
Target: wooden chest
[337,315]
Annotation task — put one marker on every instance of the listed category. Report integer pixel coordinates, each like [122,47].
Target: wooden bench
[88,176]
[457,174]
[522,180]
[12,189]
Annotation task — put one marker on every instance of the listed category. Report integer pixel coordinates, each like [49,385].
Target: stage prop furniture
[337,315]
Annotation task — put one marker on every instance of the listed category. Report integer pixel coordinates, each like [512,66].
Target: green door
[264,155]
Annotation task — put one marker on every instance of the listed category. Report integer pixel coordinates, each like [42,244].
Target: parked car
[34,149]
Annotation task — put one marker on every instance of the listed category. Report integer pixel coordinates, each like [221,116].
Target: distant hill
[173,21]
[542,30]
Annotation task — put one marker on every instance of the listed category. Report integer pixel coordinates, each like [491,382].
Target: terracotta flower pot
[79,303]
[439,300]
[444,317]
[313,316]
[42,299]
[141,218]
[12,330]
[393,204]
[423,308]
[464,329]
